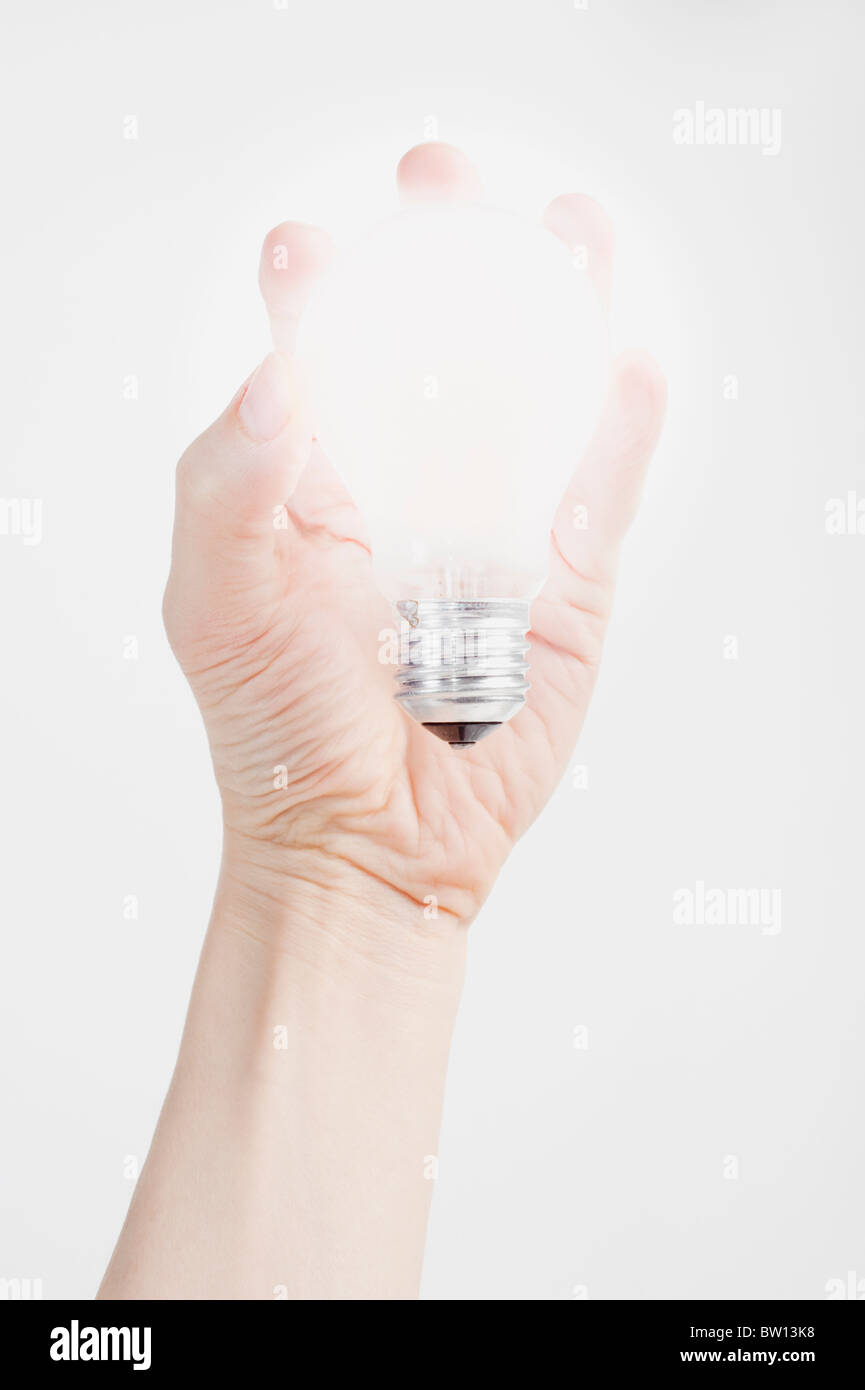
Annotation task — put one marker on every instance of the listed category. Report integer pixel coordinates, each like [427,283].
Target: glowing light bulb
[455,359]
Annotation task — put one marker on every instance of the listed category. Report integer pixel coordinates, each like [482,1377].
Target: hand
[298,1162]
[277,628]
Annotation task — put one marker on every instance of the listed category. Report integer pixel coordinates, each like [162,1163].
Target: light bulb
[455,359]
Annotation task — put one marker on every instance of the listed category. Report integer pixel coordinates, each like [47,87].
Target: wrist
[331,917]
[306,1100]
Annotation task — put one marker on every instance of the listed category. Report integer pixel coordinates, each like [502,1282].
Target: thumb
[232,484]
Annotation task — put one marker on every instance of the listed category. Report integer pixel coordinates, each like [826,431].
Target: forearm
[291,1149]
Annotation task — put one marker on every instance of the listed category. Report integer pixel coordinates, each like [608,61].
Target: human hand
[276,627]
[293,1145]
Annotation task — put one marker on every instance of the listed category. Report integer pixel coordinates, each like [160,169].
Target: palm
[310,747]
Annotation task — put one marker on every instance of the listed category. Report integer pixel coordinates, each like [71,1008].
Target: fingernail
[268,400]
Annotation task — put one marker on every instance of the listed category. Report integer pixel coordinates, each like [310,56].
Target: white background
[563,1170]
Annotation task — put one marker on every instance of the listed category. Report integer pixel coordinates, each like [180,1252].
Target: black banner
[60,1339]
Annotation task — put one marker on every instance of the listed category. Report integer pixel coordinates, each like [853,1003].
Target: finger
[293,257]
[232,483]
[587,231]
[570,615]
[437,173]
[321,505]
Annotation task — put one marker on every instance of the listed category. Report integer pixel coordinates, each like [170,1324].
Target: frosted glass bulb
[455,360]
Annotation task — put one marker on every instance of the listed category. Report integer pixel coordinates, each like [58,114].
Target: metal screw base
[464,665]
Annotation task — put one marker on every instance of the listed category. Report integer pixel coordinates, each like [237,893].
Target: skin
[301,1167]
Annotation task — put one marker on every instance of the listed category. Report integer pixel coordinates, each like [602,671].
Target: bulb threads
[464,664]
